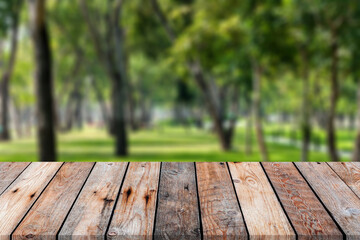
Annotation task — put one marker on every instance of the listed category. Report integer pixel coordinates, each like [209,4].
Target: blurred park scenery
[179,80]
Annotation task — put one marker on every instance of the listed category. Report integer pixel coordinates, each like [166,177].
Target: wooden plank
[349,173]
[177,213]
[337,197]
[9,171]
[22,193]
[92,210]
[220,212]
[134,213]
[306,213]
[264,216]
[48,213]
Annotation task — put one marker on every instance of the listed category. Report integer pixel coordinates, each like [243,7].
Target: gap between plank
[343,180]
[11,235]
[15,178]
[198,200]
[157,200]
[278,198]
[326,209]
[116,201]
[237,199]
[77,196]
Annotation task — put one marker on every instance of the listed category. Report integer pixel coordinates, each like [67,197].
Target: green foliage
[8,9]
[22,90]
[154,81]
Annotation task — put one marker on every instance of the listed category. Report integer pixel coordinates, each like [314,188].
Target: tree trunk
[4,131]
[212,99]
[356,151]
[225,136]
[331,129]
[132,108]
[17,120]
[257,71]
[43,82]
[79,98]
[101,101]
[110,50]
[119,85]
[305,121]
[118,117]
[5,80]
[145,113]
[69,113]
[27,120]
[248,134]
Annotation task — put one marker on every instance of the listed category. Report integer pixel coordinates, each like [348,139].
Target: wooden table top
[173,200]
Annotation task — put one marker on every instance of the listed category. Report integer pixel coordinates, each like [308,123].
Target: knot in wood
[112,233]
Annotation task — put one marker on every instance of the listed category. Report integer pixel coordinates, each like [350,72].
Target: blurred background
[179,80]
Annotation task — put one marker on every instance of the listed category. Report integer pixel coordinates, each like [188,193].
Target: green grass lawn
[345,137]
[166,144]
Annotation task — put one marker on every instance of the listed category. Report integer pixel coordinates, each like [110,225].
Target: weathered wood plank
[48,213]
[220,212]
[92,210]
[264,216]
[134,214]
[337,197]
[306,213]
[349,173]
[22,193]
[9,171]
[177,213]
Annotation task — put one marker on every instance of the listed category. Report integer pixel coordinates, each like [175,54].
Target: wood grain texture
[9,171]
[220,212]
[48,213]
[306,213]
[263,213]
[349,173]
[178,212]
[134,214]
[337,197]
[22,193]
[91,213]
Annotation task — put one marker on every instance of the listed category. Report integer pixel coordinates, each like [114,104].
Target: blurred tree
[268,45]
[108,38]
[9,18]
[43,81]
[69,62]
[303,26]
[351,38]
[207,56]
[331,17]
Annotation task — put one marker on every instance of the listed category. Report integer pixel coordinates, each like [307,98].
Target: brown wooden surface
[349,173]
[48,213]
[134,214]
[21,194]
[179,200]
[177,213]
[338,198]
[220,211]
[263,213]
[91,213]
[305,211]
[9,171]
